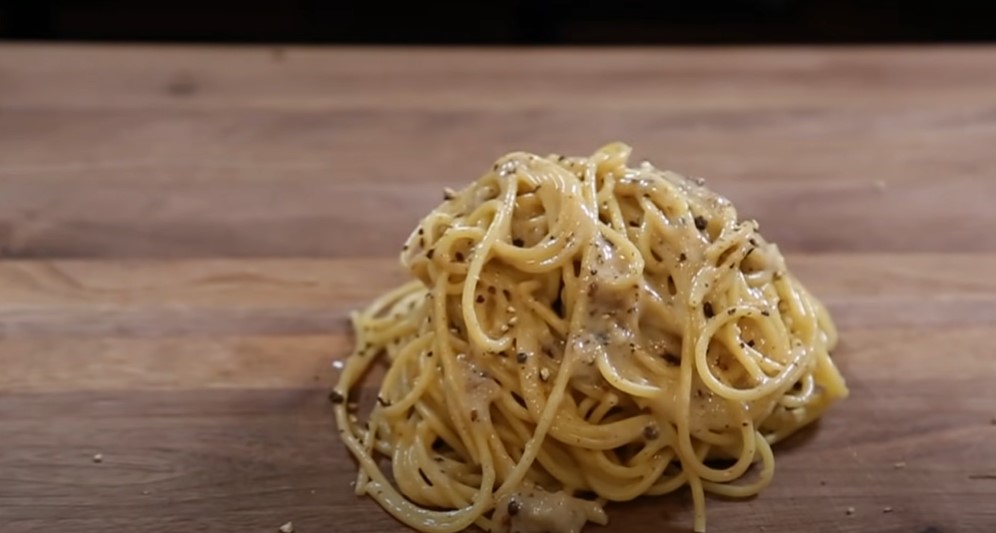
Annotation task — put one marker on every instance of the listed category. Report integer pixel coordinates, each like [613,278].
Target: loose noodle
[581,332]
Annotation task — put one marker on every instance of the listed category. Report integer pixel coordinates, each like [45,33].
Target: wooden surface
[184,230]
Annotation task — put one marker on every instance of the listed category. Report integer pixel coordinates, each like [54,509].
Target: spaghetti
[579,332]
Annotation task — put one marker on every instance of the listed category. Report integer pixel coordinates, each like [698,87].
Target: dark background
[502,22]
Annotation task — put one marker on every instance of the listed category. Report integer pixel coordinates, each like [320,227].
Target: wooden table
[183,231]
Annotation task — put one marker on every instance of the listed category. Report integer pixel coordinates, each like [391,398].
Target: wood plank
[72,218]
[805,143]
[109,77]
[152,298]
[75,364]
[255,458]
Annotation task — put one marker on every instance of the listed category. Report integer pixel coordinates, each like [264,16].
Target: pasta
[578,332]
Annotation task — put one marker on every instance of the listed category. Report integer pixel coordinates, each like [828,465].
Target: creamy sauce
[481,389]
[611,327]
[533,510]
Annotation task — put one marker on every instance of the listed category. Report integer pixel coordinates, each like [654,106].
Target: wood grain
[46,364]
[184,231]
[169,298]
[39,364]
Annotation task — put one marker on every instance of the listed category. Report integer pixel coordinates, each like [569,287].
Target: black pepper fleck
[473,415]
[731,311]
[424,477]
[336,397]
[765,313]
[428,255]
[707,310]
[521,357]
[650,432]
[700,222]
[750,343]
[514,507]
[682,257]
[480,298]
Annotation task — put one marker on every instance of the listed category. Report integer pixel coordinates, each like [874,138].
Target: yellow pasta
[579,331]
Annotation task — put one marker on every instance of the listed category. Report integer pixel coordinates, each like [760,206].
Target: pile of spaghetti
[577,332]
